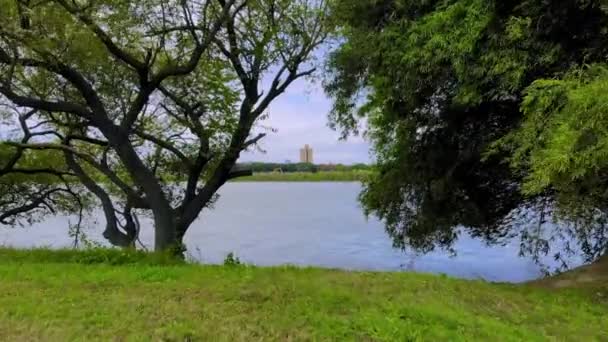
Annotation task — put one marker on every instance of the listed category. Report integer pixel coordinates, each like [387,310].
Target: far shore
[321,176]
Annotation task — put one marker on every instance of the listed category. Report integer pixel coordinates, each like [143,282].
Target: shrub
[232,260]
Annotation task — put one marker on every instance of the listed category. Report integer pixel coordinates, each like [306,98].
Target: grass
[124,296]
[322,176]
[593,277]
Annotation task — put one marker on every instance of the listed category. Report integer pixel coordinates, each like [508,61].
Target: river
[309,224]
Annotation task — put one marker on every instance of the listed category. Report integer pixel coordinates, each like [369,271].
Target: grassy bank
[101,295]
[329,176]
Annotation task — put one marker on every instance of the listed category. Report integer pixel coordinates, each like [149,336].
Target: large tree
[483,114]
[110,95]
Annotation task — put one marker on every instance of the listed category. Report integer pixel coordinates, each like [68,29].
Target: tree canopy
[104,98]
[487,115]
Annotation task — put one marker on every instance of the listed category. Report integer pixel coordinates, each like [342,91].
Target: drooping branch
[112,233]
[112,176]
[40,104]
[34,203]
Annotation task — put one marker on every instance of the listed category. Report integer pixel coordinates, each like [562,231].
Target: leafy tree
[109,94]
[482,114]
[562,147]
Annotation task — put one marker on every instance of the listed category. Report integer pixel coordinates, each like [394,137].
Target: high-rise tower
[306,154]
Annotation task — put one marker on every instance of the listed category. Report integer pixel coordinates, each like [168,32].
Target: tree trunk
[165,233]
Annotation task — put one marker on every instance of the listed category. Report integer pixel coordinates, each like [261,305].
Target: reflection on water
[318,224]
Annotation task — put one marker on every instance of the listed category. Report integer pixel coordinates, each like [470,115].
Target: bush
[232,260]
[108,256]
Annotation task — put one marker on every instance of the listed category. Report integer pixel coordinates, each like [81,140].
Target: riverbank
[592,277]
[321,176]
[116,295]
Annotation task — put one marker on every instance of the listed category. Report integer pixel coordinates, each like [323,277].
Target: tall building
[306,154]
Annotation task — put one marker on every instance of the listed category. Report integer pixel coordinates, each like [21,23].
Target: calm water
[318,224]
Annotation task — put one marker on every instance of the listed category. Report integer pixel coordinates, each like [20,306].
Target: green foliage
[440,82]
[231,260]
[88,256]
[146,105]
[19,188]
[30,160]
[562,148]
[564,135]
[64,301]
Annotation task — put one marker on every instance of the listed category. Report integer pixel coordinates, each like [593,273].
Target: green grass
[329,176]
[123,296]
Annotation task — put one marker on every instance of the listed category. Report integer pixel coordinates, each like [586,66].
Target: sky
[299,116]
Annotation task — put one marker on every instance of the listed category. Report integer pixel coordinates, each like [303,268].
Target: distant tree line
[258,167]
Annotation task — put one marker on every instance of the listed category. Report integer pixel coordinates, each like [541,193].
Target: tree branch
[38,171]
[129,192]
[34,103]
[200,48]
[52,64]
[34,204]
[237,172]
[114,49]
[112,233]
[165,145]
[254,140]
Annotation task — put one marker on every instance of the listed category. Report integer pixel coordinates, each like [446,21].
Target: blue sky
[300,117]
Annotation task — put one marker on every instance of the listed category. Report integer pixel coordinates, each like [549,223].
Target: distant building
[306,154]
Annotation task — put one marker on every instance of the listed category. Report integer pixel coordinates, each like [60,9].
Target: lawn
[114,295]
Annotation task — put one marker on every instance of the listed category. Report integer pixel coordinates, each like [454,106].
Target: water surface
[312,224]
